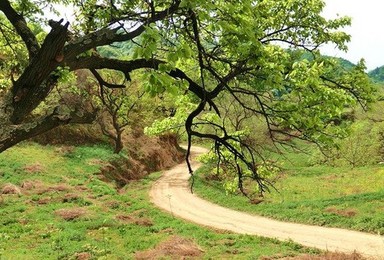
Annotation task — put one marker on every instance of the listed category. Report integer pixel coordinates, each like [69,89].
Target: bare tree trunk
[118,142]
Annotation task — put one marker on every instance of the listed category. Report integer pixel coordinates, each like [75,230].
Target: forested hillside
[377,74]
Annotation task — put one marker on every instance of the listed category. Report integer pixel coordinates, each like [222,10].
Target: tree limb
[19,133]
[96,62]
[108,35]
[37,81]
[103,83]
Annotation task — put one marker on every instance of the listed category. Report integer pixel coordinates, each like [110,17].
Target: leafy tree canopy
[241,51]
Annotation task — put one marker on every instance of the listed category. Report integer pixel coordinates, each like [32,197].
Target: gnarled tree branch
[16,133]
[37,79]
[107,35]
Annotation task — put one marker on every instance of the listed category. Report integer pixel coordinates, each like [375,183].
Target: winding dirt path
[171,193]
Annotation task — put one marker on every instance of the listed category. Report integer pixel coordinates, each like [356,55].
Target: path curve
[171,193]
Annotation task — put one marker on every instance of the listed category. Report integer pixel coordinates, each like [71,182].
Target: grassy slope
[320,195]
[105,223]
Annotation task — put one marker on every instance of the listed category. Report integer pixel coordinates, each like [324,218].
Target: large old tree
[251,51]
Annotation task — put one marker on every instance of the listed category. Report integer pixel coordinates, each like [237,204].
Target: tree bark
[37,80]
[118,143]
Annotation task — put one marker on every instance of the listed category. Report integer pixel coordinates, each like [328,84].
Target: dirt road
[171,193]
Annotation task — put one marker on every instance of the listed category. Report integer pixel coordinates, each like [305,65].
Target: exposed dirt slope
[146,155]
[171,193]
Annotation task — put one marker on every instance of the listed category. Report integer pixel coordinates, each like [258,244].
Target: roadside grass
[313,194]
[64,211]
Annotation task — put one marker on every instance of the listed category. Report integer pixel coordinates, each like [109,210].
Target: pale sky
[367,30]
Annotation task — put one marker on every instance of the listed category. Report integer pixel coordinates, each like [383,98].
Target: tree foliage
[242,49]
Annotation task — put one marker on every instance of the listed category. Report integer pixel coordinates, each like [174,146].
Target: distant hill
[345,63]
[377,75]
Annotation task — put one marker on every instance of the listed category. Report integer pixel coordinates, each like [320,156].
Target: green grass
[114,225]
[319,195]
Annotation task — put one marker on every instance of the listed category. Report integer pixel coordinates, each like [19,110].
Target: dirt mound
[174,248]
[69,214]
[10,188]
[83,256]
[141,221]
[327,256]
[34,168]
[342,212]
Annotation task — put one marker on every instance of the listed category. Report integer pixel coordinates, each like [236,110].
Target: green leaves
[148,44]
[183,106]
[224,171]
[157,83]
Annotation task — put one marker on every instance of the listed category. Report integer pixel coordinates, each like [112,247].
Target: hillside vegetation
[78,200]
[377,74]
[342,187]
[314,194]
[55,205]
[214,72]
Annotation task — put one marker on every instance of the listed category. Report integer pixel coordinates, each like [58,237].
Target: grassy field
[54,206]
[319,194]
